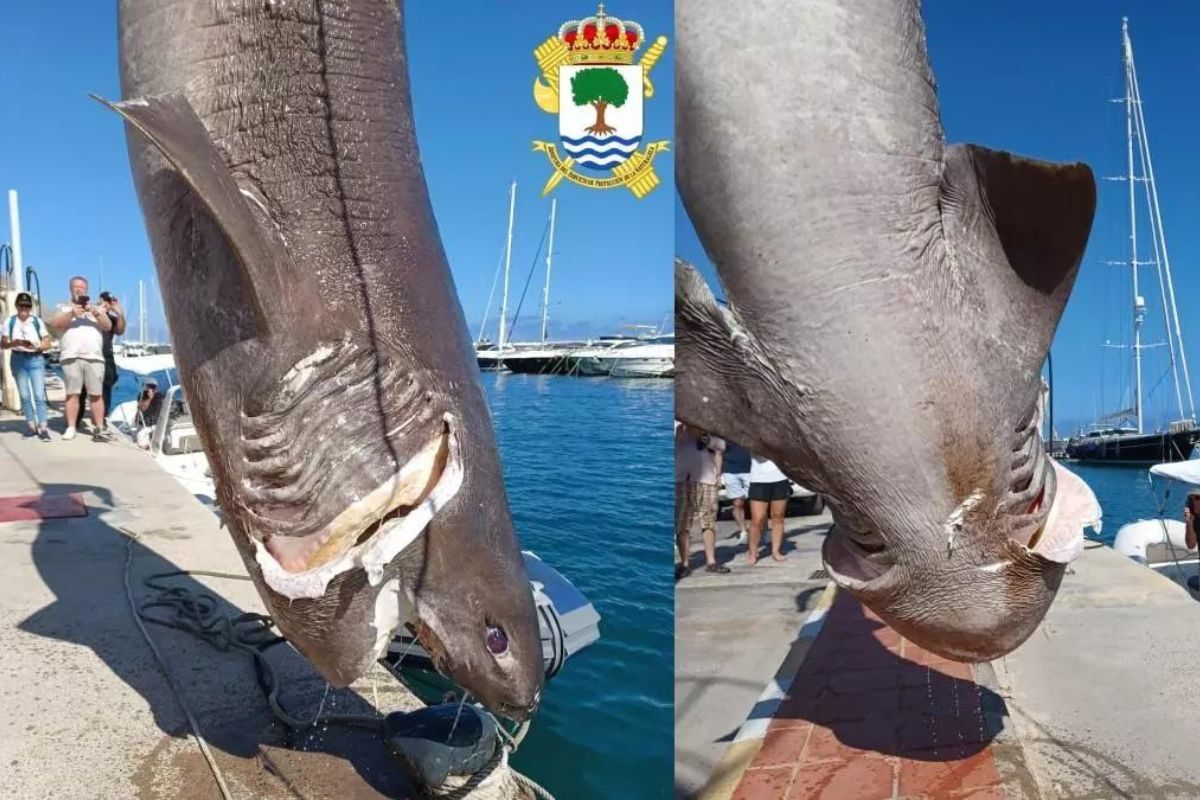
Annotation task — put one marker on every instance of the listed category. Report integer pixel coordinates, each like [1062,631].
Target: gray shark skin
[318,334]
[892,300]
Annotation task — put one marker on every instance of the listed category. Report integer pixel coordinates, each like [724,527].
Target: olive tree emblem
[589,79]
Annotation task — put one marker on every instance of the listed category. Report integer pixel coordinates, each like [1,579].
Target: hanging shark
[891,302]
[319,337]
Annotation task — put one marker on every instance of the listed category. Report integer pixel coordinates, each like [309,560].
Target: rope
[251,633]
[195,726]
[496,781]
[529,278]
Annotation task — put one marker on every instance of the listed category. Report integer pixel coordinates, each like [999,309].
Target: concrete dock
[732,634]
[87,709]
[1094,705]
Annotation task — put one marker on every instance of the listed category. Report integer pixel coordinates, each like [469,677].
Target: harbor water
[587,465]
[1125,495]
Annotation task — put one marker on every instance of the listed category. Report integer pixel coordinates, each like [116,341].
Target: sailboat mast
[141,312]
[1169,306]
[512,208]
[1139,305]
[549,263]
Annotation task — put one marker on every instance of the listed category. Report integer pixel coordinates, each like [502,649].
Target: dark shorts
[764,492]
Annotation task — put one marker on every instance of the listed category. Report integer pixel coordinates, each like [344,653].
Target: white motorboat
[172,440]
[1159,543]
[643,361]
[653,357]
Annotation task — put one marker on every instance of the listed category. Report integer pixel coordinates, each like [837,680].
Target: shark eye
[497,641]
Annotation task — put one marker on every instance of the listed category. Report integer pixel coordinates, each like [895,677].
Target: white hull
[642,368]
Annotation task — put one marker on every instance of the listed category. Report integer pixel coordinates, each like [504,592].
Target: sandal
[719,569]
[682,571]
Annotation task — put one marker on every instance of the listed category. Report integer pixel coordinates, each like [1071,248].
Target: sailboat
[543,357]
[489,356]
[1121,437]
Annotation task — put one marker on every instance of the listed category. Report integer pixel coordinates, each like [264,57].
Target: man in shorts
[697,470]
[736,477]
[80,327]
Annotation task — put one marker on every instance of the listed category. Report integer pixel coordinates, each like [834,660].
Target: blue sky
[475,117]
[1035,78]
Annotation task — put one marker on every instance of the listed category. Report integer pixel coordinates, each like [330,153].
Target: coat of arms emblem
[590,81]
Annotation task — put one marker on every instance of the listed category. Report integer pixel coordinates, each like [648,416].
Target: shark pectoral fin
[1041,212]
[171,124]
[1015,232]
[712,373]
[1075,508]
[1032,218]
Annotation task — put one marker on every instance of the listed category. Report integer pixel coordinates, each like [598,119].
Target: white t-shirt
[25,330]
[82,338]
[694,462]
[764,471]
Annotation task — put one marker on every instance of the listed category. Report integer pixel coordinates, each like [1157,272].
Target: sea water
[588,467]
[588,471]
[1126,495]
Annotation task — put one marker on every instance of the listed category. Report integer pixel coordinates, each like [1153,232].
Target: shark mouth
[371,532]
[1045,510]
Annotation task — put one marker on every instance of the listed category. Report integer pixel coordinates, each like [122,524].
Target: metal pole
[14,223]
[1137,304]
[141,312]
[1166,259]
[1050,395]
[549,262]
[512,209]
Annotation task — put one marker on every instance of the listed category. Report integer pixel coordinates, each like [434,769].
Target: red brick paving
[871,716]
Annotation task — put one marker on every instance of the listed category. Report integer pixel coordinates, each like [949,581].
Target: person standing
[116,315]
[697,470]
[769,492]
[80,327]
[736,477]
[27,336]
[1191,513]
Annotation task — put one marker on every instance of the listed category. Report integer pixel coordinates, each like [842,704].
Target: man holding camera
[116,315]
[81,327]
[697,474]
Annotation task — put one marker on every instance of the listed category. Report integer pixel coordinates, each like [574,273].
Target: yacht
[650,357]
[1122,437]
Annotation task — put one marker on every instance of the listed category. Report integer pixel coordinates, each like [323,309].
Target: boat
[567,622]
[545,358]
[1121,437]
[593,361]
[172,440]
[488,356]
[651,357]
[643,361]
[1159,543]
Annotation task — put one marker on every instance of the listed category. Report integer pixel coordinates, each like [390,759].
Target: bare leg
[778,510]
[739,515]
[72,409]
[758,513]
[97,402]
[710,546]
[681,531]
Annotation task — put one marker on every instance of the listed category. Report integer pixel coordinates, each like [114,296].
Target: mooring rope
[196,613]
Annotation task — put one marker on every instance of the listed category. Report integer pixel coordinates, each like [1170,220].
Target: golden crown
[601,39]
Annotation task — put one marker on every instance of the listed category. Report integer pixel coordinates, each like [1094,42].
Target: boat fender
[439,741]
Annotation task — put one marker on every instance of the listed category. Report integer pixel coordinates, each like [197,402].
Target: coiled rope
[252,634]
